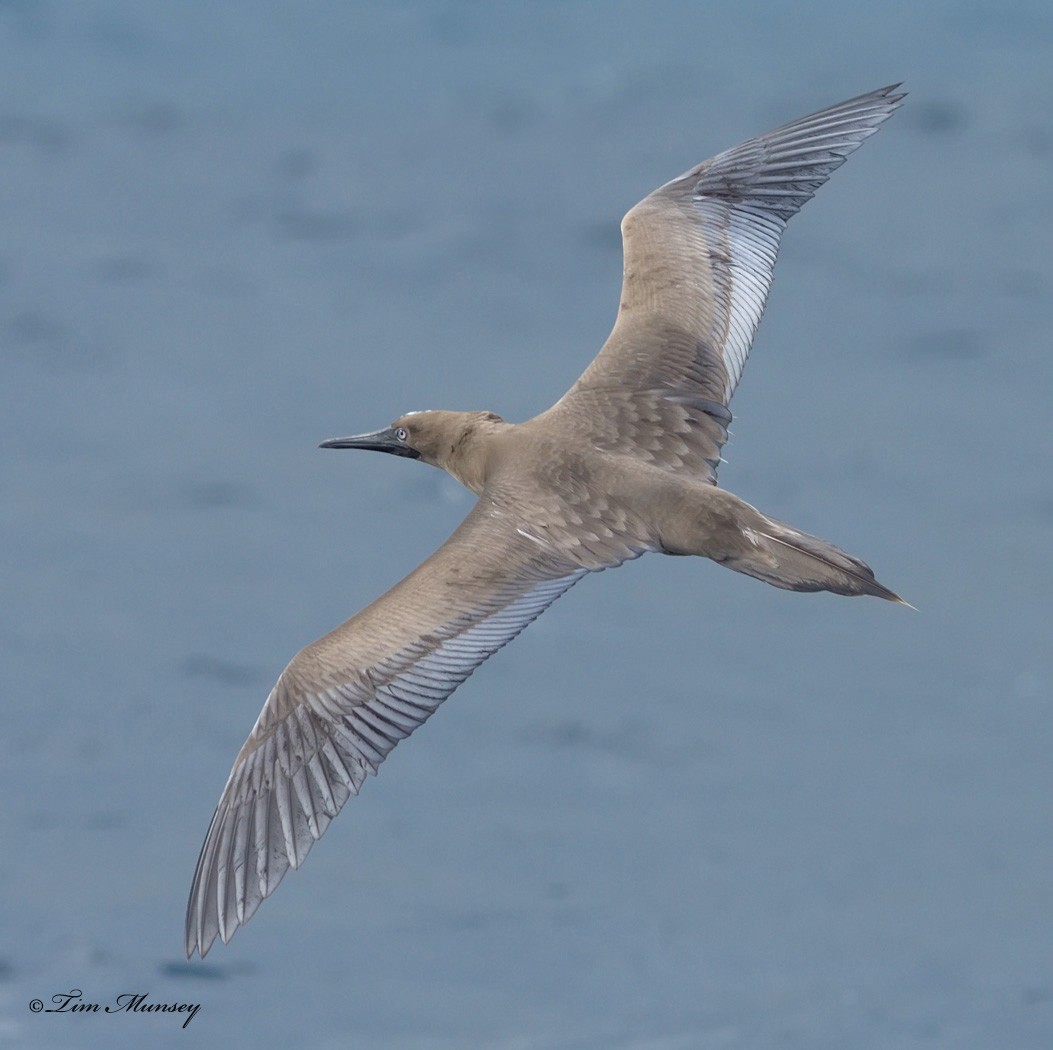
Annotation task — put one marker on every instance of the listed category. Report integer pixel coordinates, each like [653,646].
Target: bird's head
[443,439]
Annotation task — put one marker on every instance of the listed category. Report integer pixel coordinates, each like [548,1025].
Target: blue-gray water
[684,809]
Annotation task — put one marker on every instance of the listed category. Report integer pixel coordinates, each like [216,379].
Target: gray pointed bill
[376,441]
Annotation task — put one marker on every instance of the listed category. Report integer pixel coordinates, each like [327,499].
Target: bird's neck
[471,456]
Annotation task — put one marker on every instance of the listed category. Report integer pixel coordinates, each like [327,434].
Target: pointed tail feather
[786,557]
[807,563]
[715,523]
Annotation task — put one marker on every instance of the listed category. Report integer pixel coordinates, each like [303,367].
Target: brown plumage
[624,463]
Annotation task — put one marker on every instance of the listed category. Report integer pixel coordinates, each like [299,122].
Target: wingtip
[197,943]
[896,99]
[190,932]
[191,948]
[888,97]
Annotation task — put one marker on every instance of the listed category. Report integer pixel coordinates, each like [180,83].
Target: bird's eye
[400,434]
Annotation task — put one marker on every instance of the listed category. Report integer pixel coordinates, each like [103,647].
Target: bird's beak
[379,441]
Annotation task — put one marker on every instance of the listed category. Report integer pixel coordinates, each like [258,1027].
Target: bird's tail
[788,558]
[718,525]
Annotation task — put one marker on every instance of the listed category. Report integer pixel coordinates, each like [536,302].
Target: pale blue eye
[400,433]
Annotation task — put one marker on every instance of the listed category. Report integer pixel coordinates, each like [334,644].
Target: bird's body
[623,464]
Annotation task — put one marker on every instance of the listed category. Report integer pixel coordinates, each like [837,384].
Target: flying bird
[625,463]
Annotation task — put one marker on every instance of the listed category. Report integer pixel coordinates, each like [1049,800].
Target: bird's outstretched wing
[346,700]
[698,259]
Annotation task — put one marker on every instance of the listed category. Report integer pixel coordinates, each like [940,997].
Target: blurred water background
[684,809]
